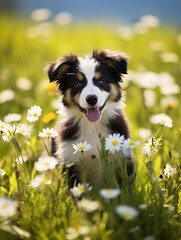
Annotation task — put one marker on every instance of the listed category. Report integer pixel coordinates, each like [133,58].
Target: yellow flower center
[81,147]
[114,142]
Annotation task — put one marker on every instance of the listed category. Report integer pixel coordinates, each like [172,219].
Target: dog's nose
[91,99]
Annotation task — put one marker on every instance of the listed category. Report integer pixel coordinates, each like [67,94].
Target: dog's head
[89,83]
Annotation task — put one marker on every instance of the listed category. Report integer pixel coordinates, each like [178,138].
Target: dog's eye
[77,84]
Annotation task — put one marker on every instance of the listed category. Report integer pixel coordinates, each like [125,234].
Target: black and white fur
[92,105]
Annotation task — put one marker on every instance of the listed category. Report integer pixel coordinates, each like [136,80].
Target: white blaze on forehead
[87,66]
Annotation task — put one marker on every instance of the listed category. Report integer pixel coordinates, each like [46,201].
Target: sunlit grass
[49,210]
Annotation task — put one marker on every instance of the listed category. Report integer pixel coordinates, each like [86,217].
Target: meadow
[35,202]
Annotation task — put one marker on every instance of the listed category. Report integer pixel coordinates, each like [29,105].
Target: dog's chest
[90,132]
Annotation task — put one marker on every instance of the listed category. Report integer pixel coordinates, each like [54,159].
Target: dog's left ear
[116,60]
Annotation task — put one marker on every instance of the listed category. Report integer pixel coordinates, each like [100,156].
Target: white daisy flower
[161,119]
[48,133]
[88,205]
[169,170]
[151,146]
[2,172]
[46,163]
[127,212]
[25,130]
[12,117]
[3,126]
[81,147]
[39,180]
[128,143]
[113,143]
[79,189]
[9,133]
[110,193]
[34,113]
[8,207]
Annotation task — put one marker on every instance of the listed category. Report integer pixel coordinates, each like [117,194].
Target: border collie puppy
[91,100]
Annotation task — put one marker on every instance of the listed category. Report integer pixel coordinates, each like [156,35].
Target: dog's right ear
[58,70]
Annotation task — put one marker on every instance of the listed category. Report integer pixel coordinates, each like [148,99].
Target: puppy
[91,99]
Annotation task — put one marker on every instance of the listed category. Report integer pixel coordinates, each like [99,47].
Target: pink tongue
[93,114]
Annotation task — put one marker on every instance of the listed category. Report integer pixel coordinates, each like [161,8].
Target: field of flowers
[35,202]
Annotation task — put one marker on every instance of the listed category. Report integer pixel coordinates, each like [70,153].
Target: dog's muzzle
[92,112]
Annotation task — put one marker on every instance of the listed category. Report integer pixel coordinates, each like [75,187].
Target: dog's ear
[57,70]
[116,60]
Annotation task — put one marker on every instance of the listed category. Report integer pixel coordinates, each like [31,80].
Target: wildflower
[3,126]
[127,212]
[6,95]
[170,89]
[9,133]
[81,147]
[25,130]
[63,18]
[79,189]
[114,142]
[144,133]
[12,117]
[34,113]
[24,83]
[8,207]
[39,180]
[151,146]
[45,163]
[169,170]
[143,206]
[150,21]
[88,205]
[49,117]
[169,102]
[42,14]
[75,233]
[110,193]
[169,57]
[149,97]
[128,143]
[48,133]
[161,119]
[2,172]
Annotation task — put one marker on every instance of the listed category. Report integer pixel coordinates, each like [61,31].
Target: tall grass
[50,211]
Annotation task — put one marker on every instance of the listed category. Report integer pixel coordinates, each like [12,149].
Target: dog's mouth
[93,114]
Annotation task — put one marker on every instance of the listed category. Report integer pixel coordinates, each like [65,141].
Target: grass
[50,211]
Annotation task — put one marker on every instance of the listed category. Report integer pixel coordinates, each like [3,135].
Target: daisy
[34,113]
[39,180]
[8,207]
[12,117]
[79,189]
[127,212]
[110,193]
[48,133]
[25,130]
[128,143]
[9,133]
[2,172]
[81,147]
[88,205]
[113,143]
[151,146]
[169,170]
[3,126]
[46,163]
[161,119]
